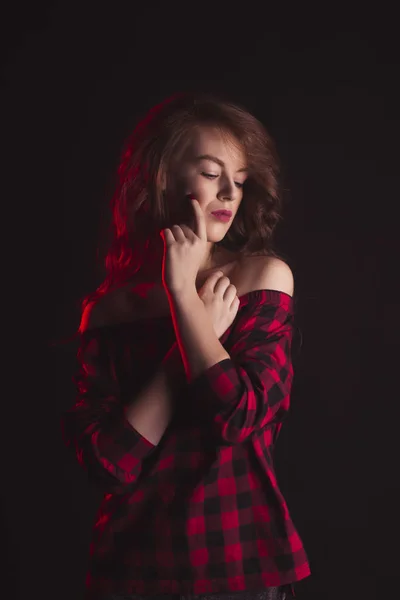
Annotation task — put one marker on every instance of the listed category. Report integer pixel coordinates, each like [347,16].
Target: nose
[227,190]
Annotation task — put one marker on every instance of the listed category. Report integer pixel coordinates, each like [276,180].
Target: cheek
[202,189]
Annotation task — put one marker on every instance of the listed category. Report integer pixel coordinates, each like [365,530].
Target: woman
[185,369]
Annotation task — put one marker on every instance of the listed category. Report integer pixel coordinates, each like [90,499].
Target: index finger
[200,221]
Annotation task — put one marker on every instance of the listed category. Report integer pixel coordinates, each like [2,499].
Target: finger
[178,233]
[215,275]
[200,220]
[167,236]
[213,278]
[235,303]
[187,231]
[230,293]
[221,284]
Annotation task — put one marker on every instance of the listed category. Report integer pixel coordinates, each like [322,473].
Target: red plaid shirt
[202,511]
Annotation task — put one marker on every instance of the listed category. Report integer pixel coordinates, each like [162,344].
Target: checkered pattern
[202,511]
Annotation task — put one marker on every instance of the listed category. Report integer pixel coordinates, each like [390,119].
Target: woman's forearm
[197,340]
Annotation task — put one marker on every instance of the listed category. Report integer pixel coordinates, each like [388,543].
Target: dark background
[75,78]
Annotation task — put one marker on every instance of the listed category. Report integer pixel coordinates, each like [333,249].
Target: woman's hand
[184,251]
[220,299]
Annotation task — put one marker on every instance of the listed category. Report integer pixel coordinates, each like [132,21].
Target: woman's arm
[249,388]
[197,349]
[199,345]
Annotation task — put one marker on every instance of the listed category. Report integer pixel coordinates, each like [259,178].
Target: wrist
[186,299]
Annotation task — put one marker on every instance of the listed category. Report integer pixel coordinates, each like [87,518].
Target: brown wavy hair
[140,205]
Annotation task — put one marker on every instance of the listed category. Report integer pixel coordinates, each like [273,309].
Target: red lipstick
[222,215]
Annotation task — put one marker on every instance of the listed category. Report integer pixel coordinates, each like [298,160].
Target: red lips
[227,213]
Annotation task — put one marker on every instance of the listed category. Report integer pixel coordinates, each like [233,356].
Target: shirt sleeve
[106,445]
[251,389]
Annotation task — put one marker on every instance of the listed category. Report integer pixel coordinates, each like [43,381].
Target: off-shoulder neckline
[266,291]
[261,293]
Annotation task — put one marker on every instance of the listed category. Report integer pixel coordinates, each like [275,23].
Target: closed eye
[213,176]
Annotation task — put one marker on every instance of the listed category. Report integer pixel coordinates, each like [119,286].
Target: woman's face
[213,170]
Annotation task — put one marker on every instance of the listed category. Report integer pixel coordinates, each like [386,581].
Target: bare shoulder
[106,310]
[267,272]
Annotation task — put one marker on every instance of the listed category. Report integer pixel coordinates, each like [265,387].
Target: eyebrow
[218,161]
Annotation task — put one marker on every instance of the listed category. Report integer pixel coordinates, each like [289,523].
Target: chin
[216,234]
[215,238]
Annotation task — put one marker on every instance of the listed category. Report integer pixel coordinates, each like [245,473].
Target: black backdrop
[75,78]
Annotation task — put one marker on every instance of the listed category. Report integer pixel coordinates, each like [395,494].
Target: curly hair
[140,207]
